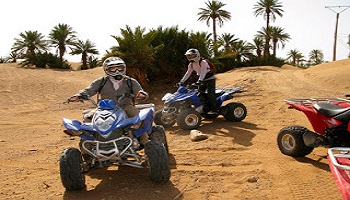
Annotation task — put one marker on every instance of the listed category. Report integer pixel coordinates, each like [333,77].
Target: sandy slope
[31,139]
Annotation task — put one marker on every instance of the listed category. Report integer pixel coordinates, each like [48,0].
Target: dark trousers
[210,86]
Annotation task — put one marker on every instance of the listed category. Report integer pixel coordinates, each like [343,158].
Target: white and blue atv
[111,138]
[188,105]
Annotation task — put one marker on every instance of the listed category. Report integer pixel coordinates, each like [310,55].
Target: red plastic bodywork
[341,177]
[318,121]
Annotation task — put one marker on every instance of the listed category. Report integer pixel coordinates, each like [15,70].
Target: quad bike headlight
[104,124]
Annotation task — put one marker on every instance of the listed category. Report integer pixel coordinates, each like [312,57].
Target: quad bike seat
[332,110]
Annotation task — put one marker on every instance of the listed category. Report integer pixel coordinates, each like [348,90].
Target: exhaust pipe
[312,139]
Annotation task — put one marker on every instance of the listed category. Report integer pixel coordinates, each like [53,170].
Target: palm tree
[170,59]
[268,8]
[84,48]
[242,50]
[214,12]
[29,43]
[136,50]
[201,41]
[227,41]
[316,57]
[257,45]
[13,56]
[61,36]
[300,59]
[263,34]
[278,35]
[294,55]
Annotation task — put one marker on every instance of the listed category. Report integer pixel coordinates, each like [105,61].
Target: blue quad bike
[188,105]
[111,138]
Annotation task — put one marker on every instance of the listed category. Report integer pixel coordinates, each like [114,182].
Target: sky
[310,24]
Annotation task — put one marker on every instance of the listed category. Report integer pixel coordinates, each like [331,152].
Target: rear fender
[227,95]
[317,120]
[222,98]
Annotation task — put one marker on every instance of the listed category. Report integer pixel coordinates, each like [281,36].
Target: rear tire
[234,112]
[189,119]
[159,119]
[158,134]
[291,143]
[71,169]
[157,160]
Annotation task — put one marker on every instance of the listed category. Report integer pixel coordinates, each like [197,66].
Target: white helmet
[193,55]
[114,66]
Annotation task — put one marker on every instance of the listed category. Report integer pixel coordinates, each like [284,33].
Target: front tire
[71,169]
[158,134]
[234,112]
[291,143]
[189,119]
[159,119]
[157,160]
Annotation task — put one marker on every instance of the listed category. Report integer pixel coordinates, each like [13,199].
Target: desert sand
[239,160]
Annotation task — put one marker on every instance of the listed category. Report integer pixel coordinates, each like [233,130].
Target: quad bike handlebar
[82,98]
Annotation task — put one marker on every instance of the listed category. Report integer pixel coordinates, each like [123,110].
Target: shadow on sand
[124,183]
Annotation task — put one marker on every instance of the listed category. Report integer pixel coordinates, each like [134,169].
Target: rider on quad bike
[118,87]
[206,77]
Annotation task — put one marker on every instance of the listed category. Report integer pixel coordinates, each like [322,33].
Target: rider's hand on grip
[142,95]
[77,97]
[73,98]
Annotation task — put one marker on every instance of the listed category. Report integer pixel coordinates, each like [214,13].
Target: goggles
[114,68]
[190,56]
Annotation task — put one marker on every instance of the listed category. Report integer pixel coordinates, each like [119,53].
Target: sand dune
[221,167]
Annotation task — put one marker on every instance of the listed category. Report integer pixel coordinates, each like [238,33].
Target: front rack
[113,154]
[339,152]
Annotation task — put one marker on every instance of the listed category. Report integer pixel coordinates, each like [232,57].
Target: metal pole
[336,28]
[335,38]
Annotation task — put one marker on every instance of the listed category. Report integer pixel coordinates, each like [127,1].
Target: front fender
[72,124]
[145,116]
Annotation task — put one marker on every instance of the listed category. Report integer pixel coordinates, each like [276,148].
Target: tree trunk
[267,39]
[214,36]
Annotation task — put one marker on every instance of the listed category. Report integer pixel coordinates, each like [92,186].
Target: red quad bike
[339,163]
[329,118]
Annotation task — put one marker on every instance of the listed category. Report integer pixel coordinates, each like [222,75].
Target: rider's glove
[78,97]
[74,98]
[142,95]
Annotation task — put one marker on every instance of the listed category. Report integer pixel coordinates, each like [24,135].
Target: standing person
[118,87]
[206,78]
